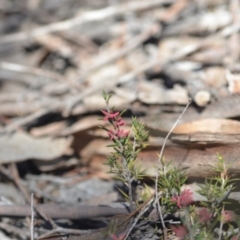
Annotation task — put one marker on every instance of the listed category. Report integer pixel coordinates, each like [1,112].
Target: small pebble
[202,98]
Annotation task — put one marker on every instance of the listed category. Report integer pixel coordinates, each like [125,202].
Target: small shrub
[202,220]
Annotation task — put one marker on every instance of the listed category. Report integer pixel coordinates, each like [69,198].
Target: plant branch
[158,167]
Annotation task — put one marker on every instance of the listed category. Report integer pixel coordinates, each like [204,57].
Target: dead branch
[56,211]
[77,21]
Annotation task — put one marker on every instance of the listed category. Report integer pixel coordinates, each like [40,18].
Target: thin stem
[129,180]
[143,210]
[32,219]
[188,223]
[159,164]
[221,225]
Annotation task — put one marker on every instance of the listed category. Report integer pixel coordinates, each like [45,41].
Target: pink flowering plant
[208,219]
[184,199]
[179,231]
[213,214]
[170,182]
[126,147]
[203,220]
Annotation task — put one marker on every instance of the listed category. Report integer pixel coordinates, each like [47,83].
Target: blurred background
[57,57]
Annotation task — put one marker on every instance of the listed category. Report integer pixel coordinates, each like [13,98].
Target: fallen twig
[96,15]
[56,211]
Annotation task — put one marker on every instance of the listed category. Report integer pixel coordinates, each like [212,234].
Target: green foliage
[170,182]
[106,96]
[126,146]
[217,189]
[199,221]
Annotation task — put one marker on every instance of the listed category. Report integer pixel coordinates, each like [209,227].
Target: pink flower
[119,237]
[119,122]
[111,134]
[121,134]
[204,215]
[227,216]
[180,231]
[117,134]
[109,115]
[184,199]
[236,237]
